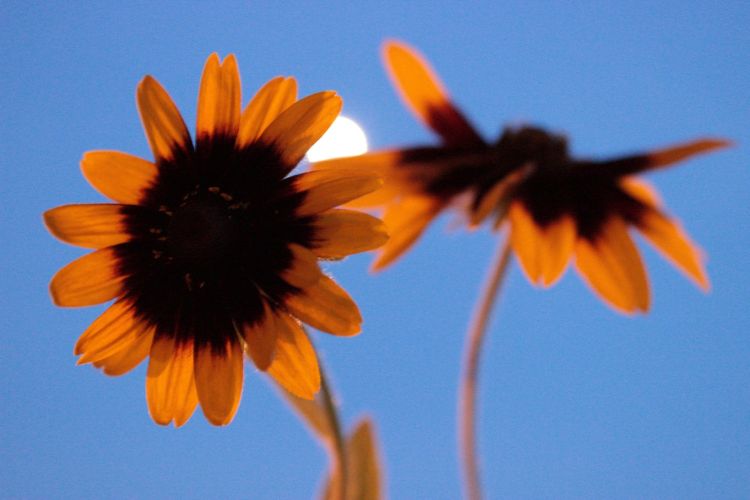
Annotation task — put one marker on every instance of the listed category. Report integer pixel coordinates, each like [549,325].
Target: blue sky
[576,400]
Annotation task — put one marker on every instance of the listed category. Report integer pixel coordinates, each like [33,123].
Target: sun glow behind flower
[344,138]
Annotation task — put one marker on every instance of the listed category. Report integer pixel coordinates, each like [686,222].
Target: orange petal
[641,191]
[674,244]
[118,176]
[304,270]
[327,307]
[270,101]
[338,233]
[218,379]
[325,189]
[219,98]
[116,328]
[406,221]
[611,265]
[165,129]
[170,383]
[89,226]
[295,365]
[260,338]
[128,357]
[300,126]
[424,93]
[543,251]
[91,279]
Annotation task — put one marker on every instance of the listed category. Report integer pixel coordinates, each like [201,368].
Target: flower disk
[213,248]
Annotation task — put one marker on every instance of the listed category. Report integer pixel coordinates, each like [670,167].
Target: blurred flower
[212,249]
[558,207]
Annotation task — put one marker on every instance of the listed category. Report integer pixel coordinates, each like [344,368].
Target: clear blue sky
[576,401]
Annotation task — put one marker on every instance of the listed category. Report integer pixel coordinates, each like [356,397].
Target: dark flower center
[201,230]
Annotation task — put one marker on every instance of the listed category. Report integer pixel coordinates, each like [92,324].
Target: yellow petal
[295,365]
[612,266]
[117,327]
[300,126]
[325,189]
[218,379]
[118,176]
[170,383]
[543,251]
[424,93]
[128,357]
[304,270]
[270,101]
[674,244]
[165,129]
[91,279]
[327,307]
[90,226]
[338,233]
[260,338]
[219,98]
[406,221]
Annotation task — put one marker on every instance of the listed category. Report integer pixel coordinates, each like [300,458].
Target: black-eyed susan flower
[212,250]
[558,207]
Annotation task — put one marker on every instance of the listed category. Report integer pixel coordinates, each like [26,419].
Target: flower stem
[338,445]
[468,390]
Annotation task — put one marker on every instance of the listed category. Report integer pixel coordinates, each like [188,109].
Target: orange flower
[558,207]
[212,249]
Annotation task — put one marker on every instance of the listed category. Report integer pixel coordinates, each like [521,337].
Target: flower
[558,207]
[212,249]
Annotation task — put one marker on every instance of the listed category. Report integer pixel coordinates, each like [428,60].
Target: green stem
[338,444]
[469,382]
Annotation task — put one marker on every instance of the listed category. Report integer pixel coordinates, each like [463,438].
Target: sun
[344,138]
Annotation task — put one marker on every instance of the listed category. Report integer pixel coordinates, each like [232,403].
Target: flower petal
[406,220]
[300,126]
[219,98]
[170,383]
[91,279]
[641,191]
[295,365]
[674,244]
[89,226]
[165,129]
[267,104]
[128,357]
[327,307]
[116,328]
[260,338]
[218,379]
[338,233]
[611,265]
[118,176]
[304,270]
[325,189]
[424,93]
[544,252]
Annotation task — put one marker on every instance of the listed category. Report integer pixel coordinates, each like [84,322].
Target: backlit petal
[128,357]
[118,176]
[325,189]
[219,98]
[424,93]
[90,226]
[115,328]
[543,251]
[304,270]
[164,126]
[612,266]
[170,383]
[267,104]
[300,126]
[641,191]
[406,220]
[338,233]
[260,338]
[671,240]
[91,279]
[327,307]
[295,365]
[218,379]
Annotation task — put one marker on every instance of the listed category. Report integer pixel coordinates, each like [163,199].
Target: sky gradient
[576,401]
